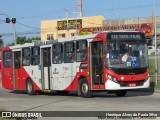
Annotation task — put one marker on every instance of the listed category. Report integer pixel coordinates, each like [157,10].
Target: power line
[54,27]
[50,29]
[27,26]
[41,15]
[86,11]
[122,8]
[20,33]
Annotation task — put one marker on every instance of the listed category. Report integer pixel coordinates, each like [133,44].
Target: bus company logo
[6,115]
[27,115]
[139,77]
[55,71]
[131,77]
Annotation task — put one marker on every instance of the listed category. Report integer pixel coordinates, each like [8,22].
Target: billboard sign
[72,24]
[147,28]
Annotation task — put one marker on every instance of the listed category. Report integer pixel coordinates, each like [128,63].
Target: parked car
[151,49]
[158,49]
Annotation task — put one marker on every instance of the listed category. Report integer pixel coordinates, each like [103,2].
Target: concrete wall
[130,21]
[133,21]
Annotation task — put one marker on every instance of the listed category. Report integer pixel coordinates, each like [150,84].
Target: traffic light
[9,20]
[14,20]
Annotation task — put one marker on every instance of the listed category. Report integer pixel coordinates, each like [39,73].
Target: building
[143,24]
[54,29]
[135,21]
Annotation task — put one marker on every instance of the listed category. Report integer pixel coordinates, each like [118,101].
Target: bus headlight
[112,78]
[109,76]
[147,77]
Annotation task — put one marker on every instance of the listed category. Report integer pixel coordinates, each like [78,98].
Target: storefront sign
[72,24]
[147,28]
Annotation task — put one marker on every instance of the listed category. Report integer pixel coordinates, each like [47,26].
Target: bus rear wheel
[84,89]
[121,93]
[30,89]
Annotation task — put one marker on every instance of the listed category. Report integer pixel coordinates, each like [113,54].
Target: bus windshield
[126,55]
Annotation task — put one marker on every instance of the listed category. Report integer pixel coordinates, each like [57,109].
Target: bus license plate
[132,84]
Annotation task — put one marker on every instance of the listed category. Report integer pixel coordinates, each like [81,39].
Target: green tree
[10,44]
[22,40]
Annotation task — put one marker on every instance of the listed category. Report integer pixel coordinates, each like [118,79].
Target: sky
[29,13]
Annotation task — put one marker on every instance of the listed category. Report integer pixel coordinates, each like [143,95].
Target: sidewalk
[157,91]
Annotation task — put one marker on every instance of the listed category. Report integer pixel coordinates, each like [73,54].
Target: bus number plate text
[132,84]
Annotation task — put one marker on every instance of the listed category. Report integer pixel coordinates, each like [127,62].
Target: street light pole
[155,35]
[15,42]
[66,10]
[119,21]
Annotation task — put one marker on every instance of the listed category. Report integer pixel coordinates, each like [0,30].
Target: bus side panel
[7,80]
[85,73]
[74,84]
[25,76]
[7,76]
[35,75]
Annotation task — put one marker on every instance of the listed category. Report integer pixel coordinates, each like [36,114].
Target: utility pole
[15,42]
[76,28]
[119,23]
[56,33]
[66,10]
[80,8]
[155,37]
[80,3]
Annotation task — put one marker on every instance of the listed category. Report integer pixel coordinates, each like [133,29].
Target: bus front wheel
[121,93]
[30,89]
[84,89]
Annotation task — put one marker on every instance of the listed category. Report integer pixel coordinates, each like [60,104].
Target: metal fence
[152,59]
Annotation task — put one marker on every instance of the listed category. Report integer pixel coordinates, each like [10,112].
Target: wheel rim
[29,87]
[84,88]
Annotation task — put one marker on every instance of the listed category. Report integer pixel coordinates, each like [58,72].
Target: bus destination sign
[125,36]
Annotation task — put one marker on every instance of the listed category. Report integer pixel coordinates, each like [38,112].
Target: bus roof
[79,37]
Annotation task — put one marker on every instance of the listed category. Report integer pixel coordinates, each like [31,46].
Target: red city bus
[109,61]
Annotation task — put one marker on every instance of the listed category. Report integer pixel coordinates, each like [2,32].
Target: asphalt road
[134,101]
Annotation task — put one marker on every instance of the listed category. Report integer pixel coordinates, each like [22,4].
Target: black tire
[29,88]
[121,93]
[62,92]
[84,89]
[38,92]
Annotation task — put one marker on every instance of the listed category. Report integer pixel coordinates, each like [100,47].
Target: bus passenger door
[96,69]
[17,69]
[46,67]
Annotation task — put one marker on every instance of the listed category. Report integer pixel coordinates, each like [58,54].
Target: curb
[157,91]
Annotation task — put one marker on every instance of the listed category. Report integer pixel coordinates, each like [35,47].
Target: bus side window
[69,52]
[35,56]
[7,56]
[57,53]
[26,56]
[81,51]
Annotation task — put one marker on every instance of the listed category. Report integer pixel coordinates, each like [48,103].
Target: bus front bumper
[110,85]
